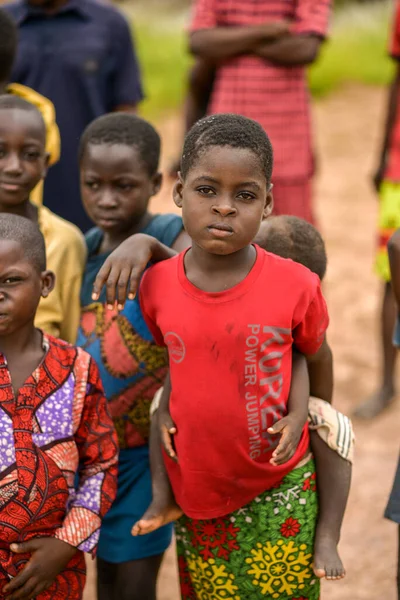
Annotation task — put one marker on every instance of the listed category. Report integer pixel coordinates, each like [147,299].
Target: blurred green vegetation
[355,52]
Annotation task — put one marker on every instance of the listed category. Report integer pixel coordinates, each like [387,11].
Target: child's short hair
[8,45]
[10,101]
[291,237]
[227,130]
[126,129]
[26,233]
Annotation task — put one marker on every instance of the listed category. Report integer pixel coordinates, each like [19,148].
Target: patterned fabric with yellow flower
[263,551]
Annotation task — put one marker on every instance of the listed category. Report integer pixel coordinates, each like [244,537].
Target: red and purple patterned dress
[57,426]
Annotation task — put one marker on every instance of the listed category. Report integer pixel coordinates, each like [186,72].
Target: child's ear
[269,203]
[48,279]
[157,183]
[46,164]
[177,192]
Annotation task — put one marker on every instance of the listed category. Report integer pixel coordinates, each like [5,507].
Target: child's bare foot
[327,561]
[377,403]
[157,515]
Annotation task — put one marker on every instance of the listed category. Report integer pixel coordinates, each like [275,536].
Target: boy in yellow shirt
[65,246]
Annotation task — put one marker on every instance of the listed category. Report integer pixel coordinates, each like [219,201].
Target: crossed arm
[272,41]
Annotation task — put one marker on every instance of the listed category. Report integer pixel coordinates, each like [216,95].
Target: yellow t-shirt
[59,313]
[53,142]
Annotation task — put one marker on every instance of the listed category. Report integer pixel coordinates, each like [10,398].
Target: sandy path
[347,133]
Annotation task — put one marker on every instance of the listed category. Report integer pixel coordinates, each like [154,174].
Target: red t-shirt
[230,363]
[393,165]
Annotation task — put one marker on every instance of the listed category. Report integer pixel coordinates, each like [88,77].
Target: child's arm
[394,261]
[98,455]
[122,270]
[97,444]
[221,43]
[291,426]
[320,372]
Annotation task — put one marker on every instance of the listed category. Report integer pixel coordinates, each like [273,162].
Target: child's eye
[205,191]
[125,187]
[92,185]
[12,280]
[245,196]
[32,155]
[2,153]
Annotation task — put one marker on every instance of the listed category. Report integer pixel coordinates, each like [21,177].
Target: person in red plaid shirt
[251,61]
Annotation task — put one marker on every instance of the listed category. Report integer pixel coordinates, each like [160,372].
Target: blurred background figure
[250,61]
[80,55]
[387,183]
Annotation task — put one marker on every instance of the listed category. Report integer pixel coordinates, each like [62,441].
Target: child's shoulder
[164,271]
[286,268]
[165,228]
[55,228]
[81,359]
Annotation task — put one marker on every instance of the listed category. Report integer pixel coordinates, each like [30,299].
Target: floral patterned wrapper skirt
[261,551]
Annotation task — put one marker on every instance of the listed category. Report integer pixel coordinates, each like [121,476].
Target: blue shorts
[116,543]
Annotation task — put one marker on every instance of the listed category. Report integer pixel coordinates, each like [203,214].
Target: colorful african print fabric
[263,551]
[132,366]
[58,425]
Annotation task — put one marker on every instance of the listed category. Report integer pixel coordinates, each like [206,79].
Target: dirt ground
[347,130]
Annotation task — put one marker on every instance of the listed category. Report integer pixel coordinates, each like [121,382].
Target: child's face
[115,186]
[23,159]
[224,198]
[21,287]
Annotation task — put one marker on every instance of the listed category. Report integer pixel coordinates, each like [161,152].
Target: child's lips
[10,187]
[220,230]
[107,220]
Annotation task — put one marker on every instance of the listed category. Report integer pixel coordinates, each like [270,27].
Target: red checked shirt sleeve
[204,15]
[312,17]
[313,321]
[98,456]
[395,39]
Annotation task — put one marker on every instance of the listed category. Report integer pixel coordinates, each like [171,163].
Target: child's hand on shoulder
[49,556]
[290,429]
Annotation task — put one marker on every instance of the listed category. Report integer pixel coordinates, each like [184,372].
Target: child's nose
[13,164]
[224,209]
[107,199]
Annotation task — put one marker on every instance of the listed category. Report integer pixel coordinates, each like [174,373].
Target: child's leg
[132,580]
[163,508]
[333,483]
[383,396]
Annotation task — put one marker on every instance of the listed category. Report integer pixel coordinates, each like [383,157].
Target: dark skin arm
[320,372]
[394,261]
[49,556]
[390,121]
[290,427]
[291,50]
[120,277]
[221,43]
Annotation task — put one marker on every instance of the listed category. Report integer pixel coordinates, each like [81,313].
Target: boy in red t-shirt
[331,440]
[230,347]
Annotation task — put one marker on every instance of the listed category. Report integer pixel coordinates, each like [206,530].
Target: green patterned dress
[263,551]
